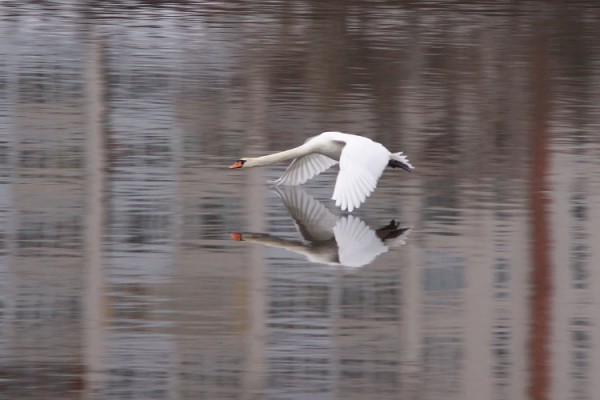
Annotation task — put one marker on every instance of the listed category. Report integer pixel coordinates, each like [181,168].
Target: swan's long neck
[274,241]
[325,254]
[278,157]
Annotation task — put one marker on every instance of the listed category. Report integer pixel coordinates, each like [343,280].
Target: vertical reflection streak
[540,246]
[255,368]
[94,284]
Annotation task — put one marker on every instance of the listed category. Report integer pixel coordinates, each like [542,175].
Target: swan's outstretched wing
[361,164]
[314,221]
[303,168]
[358,244]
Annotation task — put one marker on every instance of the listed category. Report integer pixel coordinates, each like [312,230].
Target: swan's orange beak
[237,164]
[236,236]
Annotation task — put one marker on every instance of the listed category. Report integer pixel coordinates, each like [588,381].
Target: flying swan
[361,160]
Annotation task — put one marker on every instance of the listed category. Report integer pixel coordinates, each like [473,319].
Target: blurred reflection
[329,238]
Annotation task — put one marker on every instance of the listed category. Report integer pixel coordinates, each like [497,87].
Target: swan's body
[361,161]
[329,239]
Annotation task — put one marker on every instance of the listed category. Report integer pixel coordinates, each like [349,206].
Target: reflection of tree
[541,273]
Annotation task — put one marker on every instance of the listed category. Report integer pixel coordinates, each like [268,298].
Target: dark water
[118,275]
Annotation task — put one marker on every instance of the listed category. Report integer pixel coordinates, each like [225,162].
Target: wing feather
[313,220]
[361,164]
[304,168]
[358,244]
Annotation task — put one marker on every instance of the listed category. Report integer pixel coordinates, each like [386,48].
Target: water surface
[119,276]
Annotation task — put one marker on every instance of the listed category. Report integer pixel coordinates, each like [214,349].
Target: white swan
[329,239]
[361,160]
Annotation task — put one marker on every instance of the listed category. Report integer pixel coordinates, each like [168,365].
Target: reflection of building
[333,330]
[41,206]
[368,346]
[465,315]
[576,283]
[41,218]
[212,312]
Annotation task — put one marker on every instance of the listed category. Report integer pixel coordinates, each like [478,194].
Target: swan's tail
[398,160]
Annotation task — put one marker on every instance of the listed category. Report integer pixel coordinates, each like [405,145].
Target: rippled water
[119,274]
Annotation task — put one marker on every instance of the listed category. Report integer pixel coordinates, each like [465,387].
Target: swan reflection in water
[329,238]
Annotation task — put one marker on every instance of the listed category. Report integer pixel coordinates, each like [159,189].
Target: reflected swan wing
[313,220]
[358,244]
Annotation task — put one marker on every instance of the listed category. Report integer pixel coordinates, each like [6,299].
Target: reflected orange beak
[237,164]
[236,236]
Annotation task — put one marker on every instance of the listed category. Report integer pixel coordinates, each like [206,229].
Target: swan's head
[247,162]
[241,163]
